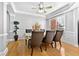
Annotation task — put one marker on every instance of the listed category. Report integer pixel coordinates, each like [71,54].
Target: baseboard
[3,53]
[21,38]
[14,40]
[11,40]
[76,45]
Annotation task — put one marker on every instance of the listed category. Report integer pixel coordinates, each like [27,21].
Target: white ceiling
[28,6]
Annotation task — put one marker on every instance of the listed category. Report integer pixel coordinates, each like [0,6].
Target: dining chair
[28,30]
[27,35]
[57,37]
[42,30]
[48,38]
[36,40]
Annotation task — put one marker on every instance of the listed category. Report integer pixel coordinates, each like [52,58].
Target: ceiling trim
[13,6]
[22,12]
[27,13]
[60,11]
[34,14]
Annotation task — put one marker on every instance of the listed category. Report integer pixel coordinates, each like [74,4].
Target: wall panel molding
[70,38]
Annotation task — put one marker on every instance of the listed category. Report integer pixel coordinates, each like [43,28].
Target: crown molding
[32,14]
[22,12]
[60,11]
[13,6]
[74,6]
[42,15]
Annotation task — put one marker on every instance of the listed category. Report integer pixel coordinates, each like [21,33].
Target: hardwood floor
[19,48]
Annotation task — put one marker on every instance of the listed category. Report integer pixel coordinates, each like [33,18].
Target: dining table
[27,37]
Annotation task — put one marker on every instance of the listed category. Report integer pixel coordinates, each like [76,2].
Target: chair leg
[52,45]
[60,44]
[45,47]
[25,42]
[32,52]
[41,48]
[55,44]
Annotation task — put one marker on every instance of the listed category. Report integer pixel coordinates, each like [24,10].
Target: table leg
[27,42]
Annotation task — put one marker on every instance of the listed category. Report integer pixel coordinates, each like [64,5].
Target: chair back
[49,36]
[37,37]
[28,30]
[58,35]
[42,30]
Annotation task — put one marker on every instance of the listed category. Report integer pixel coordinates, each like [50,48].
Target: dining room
[41,29]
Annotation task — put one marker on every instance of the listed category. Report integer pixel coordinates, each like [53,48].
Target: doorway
[78,33]
[8,26]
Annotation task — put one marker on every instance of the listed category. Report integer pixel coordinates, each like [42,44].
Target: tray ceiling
[32,7]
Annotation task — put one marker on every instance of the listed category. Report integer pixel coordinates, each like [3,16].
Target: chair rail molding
[5,34]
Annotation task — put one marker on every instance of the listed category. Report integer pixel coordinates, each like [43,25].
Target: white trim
[22,38]
[68,8]
[65,38]
[76,45]
[74,6]
[5,34]
[70,43]
[57,9]
[3,53]
[33,14]
[12,14]
[69,32]
[17,11]
[4,17]
[18,38]
[11,40]
[13,6]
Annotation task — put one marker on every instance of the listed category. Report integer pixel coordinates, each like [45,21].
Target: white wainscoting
[70,38]
[3,44]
